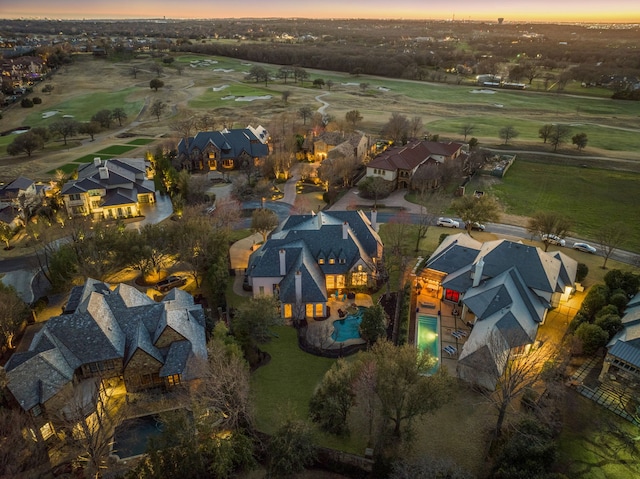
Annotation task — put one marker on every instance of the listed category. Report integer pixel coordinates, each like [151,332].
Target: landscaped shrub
[581,272]
[592,337]
[611,323]
[596,299]
[624,280]
[619,300]
[26,103]
[37,100]
[577,320]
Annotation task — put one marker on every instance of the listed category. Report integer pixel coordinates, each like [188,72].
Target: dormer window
[36,410]
[320,260]
[332,261]
[343,261]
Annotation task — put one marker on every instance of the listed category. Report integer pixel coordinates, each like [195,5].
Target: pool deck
[319,331]
[427,301]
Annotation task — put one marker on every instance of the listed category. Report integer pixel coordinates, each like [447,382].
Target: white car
[448,223]
[584,247]
[553,239]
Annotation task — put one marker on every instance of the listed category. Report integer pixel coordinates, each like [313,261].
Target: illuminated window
[319,312]
[359,279]
[173,380]
[332,261]
[320,260]
[46,431]
[288,311]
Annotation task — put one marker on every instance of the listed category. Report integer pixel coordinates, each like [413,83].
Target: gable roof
[125,179]
[346,237]
[230,143]
[413,154]
[105,324]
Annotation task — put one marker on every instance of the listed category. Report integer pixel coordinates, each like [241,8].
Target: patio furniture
[460,333]
[427,305]
[456,334]
[450,350]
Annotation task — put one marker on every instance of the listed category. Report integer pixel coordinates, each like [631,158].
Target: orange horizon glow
[514,11]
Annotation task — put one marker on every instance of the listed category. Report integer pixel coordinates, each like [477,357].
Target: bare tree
[285,96]
[305,113]
[508,133]
[548,223]
[513,368]
[559,135]
[474,210]
[185,128]
[263,221]
[19,453]
[397,127]
[610,238]
[467,129]
[157,108]
[416,126]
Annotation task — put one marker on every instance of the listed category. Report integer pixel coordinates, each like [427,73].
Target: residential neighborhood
[290,247]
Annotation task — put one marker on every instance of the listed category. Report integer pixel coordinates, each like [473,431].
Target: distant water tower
[500,20]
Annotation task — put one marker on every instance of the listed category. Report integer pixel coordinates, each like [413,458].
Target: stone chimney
[477,274]
[345,230]
[283,262]
[104,172]
[96,161]
[298,283]
[374,219]
[319,218]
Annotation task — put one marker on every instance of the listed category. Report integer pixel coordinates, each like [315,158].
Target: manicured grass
[115,150]
[83,107]
[141,141]
[590,445]
[213,99]
[89,158]
[590,197]
[282,388]
[68,168]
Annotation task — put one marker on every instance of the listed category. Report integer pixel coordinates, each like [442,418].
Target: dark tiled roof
[106,325]
[413,154]
[19,184]
[230,143]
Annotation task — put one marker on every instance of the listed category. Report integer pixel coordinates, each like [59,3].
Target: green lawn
[282,388]
[141,141]
[83,107]
[68,168]
[214,99]
[590,197]
[115,150]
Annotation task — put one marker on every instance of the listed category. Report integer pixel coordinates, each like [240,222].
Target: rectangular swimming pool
[428,337]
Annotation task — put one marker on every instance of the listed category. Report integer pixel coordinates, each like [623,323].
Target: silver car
[448,223]
[584,247]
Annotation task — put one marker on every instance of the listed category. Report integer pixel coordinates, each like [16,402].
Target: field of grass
[214,99]
[590,446]
[590,197]
[68,168]
[141,141]
[83,107]
[115,150]
[282,388]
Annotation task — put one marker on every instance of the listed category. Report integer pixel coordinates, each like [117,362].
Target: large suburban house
[622,362]
[109,189]
[223,150]
[504,289]
[114,336]
[399,164]
[336,144]
[309,257]
[18,199]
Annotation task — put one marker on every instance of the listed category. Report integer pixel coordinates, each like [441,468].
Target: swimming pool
[131,437]
[349,327]
[428,337]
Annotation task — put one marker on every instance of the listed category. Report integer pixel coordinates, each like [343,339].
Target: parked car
[477,226]
[170,282]
[448,223]
[553,239]
[584,247]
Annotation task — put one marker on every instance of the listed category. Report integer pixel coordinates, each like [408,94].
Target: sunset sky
[627,11]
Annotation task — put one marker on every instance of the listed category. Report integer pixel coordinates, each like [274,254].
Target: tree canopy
[472,209]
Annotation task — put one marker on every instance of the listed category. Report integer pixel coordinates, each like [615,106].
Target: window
[261,289]
[319,311]
[75,197]
[36,410]
[227,163]
[343,261]
[451,295]
[173,380]
[359,278]
[288,311]
[320,260]
[78,210]
[332,261]
[46,431]
[129,211]
[95,204]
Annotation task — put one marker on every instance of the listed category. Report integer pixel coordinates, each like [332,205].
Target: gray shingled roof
[106,325]
[230,143]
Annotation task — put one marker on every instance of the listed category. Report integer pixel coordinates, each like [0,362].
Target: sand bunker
[381,88]
[67,116]
[220,88]
[489,92]
[224,70]
[351,84]
[49,114]
[20,132]
[228,97]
